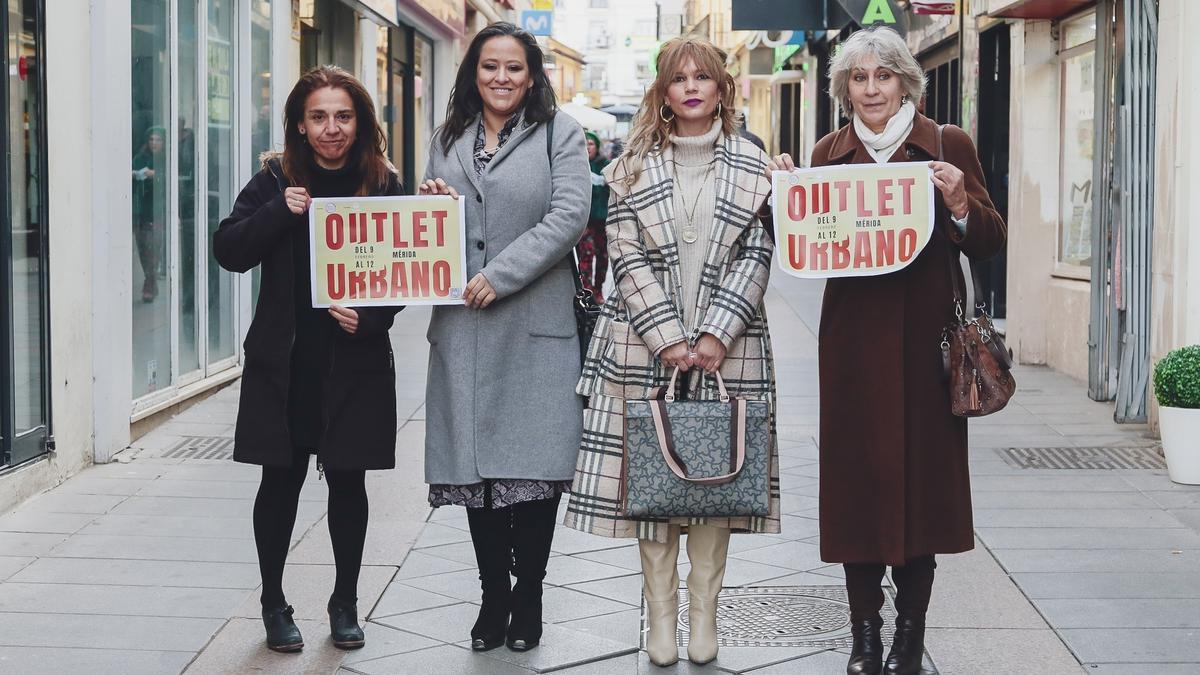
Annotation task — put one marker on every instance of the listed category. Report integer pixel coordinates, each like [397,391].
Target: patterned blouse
[501,492]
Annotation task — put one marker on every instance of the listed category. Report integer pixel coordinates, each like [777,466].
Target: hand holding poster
[387,251]
[851,220]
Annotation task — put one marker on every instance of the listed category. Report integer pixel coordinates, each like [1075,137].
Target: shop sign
[538,22]
[220,83]
[387,251]
[852,220]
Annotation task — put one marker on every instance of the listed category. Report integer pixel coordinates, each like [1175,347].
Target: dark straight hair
[367,153]
[465,101]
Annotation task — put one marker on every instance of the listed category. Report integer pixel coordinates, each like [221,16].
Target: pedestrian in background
[895,485]
[150,208]
[690,271]
[502,419]
[592,250]
[315,381]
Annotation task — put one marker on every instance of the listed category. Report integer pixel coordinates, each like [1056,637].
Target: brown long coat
[894,476]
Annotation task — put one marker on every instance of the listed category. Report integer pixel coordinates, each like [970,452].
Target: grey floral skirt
[496,494]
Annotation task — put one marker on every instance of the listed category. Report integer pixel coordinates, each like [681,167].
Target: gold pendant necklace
[689,233]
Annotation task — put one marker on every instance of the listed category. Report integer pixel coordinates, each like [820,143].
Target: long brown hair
[369,141]
[649,132]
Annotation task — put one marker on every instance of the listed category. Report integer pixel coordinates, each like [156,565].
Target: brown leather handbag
[975,362]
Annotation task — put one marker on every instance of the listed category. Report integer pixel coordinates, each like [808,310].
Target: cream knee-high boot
[707,548]
[660,584]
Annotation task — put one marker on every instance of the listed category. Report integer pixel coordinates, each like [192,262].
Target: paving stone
[141,573]
[564,604]
[106,632]
[972,590]
[28,543]
[220,472]
[623,626]
[92,661]
[420,564]
[71,598]
[435,534]
[462,585]
[819,663]
[570,542]
[999,651]
[55,502]
[177,526]
[462,553]
[1109,585]
[10,565]
[240,647]
[213,508]
[1099,560]
[1122,613]
[561,648]
[1139,645]
[1175,499]
[1125,668]
[451,623]
[627,557]
[1088,537]
[566,570]
[793,555]
[383,641]
[619,664]
[88,482]
[181,487]
[1073,518]
[443,659]
[133,547]
[626,589]
[1063,500]
[308,588]
[1055,482]
[51,523]
[400,598]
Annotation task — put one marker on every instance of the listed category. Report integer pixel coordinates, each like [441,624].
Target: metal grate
[781,616]
[201,447]
[1083,458]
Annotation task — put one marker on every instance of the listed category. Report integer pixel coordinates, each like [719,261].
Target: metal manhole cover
[1102,458]
[781,616]
[201,447]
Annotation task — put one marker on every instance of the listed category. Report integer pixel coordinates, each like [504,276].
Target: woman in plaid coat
[691,259]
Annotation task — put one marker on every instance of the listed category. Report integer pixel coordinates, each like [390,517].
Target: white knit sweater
[692,160]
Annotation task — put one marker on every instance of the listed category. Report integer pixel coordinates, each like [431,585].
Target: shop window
[1078,102]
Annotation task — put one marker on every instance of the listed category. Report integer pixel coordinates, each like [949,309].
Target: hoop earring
[662,115]
[720,109]
[904,99]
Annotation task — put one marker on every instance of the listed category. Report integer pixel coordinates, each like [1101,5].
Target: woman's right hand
[436,186]
[678,355]
[780,163]
[297,200]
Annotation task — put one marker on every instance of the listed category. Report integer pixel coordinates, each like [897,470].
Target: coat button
[479,198]
[479,245]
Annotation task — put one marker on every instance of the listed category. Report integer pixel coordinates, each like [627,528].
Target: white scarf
[883,145]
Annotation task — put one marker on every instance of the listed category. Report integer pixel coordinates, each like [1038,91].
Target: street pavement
[147,564]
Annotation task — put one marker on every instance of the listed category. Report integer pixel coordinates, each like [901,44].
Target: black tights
[275,517]
[914,585]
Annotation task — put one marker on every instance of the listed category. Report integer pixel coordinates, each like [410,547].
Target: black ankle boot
[491,535]
[866,656]
[525,628]
[343,625]
[282,633]
[908,647]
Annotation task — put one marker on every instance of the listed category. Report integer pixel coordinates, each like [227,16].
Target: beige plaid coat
[642,317]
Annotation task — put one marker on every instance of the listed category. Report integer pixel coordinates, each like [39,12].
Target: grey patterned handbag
[706,459]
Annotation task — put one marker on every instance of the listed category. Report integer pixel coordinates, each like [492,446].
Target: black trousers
[275,517]
[914,585]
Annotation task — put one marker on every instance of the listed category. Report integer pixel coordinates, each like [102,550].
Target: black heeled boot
[282,633]
[908,647]
[491,535]
[533,532]
[866,656]
[343,625]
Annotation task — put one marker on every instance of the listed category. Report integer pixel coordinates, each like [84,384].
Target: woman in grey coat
[503,423]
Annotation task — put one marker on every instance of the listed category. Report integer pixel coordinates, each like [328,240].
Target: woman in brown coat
[895,487]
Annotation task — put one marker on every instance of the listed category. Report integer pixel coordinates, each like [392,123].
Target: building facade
[131,125]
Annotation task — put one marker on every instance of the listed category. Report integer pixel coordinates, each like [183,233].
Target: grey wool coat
[643,317]
[500,398]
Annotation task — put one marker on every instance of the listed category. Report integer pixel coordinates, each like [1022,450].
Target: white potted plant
[1177,387]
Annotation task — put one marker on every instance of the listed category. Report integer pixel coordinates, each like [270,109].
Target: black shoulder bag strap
[579,290]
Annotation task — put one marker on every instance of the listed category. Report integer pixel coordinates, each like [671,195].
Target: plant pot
[1181,443]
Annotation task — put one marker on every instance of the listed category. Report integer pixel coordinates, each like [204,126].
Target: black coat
[359,387]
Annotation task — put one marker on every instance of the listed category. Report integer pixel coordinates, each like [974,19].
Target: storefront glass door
[24,398]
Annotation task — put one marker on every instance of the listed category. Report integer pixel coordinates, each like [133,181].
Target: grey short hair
[886,45]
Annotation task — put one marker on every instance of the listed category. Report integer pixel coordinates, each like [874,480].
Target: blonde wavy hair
[649,132]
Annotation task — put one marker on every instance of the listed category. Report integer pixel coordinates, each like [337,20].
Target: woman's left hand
[709,353]
[949,179]
[347,318]
[479,293]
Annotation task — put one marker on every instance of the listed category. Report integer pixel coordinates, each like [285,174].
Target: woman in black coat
[315,381]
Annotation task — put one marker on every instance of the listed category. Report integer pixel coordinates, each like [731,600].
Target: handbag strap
[955,284]
[737,445]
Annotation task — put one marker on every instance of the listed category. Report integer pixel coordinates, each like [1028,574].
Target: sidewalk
[147,565]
